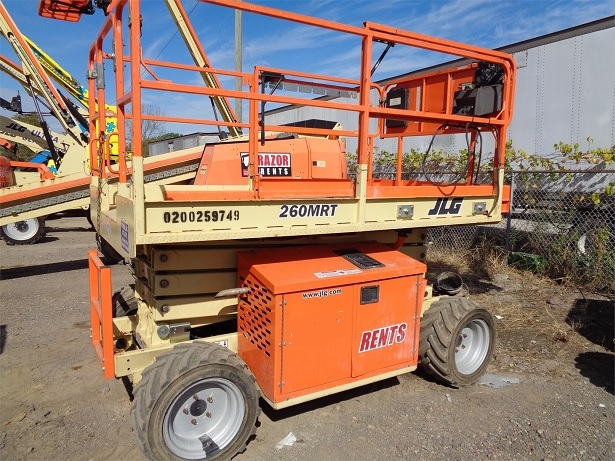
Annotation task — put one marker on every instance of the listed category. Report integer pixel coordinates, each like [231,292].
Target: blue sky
[488,23]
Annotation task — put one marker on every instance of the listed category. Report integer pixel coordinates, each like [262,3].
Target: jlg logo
[442,207]
[16,127]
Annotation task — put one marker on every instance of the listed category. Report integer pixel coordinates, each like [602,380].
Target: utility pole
[238,62]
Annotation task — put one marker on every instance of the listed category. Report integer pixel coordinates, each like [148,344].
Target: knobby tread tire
[34,239]
[599,236]
[124,301]
[439,329]
[110,254]
[171,366]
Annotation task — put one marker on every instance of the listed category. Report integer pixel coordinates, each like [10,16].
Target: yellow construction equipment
[32,195]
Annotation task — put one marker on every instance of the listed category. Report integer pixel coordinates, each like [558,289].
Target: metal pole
[510,210]
[238,62]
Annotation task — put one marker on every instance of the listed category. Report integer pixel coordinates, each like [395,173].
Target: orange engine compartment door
[325,320]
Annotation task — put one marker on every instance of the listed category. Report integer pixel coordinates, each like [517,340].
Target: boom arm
[59,74]
[200,59]
[36,76]
[13,70]
[65,79]
[32,136]
[71,11]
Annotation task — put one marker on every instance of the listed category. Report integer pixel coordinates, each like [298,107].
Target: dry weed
[532,308]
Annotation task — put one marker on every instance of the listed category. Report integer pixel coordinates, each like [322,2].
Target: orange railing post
[101,314]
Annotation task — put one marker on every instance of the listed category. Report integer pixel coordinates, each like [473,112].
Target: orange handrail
[368,106]
[44,171]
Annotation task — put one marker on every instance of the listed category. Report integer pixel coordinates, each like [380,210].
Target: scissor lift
[275,272]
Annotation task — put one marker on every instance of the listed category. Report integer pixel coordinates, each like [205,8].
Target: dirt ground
[557,342]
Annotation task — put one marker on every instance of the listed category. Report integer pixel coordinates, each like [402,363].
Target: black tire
[110,254]
[24,232]
[457,341]
[89,218]
[168,404]
[596,238]
[124,302]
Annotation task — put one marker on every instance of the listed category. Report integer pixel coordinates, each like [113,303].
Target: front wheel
[197,401]
[110,254]
[596,238]
[457,341]
[23,232]
[124,302]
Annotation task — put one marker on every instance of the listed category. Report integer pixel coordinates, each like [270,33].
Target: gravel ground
[557,342]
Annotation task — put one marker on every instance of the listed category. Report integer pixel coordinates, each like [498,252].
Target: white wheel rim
[21,230]
[204,418]
[472,346]
[581,244]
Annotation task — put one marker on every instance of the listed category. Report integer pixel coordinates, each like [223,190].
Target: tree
[30,118]
[151,130]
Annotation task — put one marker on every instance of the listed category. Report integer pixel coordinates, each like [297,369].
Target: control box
[317,318]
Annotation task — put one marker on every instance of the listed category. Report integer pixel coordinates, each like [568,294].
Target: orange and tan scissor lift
[275,273]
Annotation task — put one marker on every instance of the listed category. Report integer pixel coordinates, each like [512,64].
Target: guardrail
[101,314]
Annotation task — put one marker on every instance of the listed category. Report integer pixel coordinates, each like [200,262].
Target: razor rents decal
[382,337]
[269,165]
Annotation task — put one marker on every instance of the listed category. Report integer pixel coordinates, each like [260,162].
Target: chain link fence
[561,224]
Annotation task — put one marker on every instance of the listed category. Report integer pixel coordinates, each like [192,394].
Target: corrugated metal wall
[565,92]
[180,143]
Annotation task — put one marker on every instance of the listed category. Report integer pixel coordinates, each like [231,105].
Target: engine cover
[319,317]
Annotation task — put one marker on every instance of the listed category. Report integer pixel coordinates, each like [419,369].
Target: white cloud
[298,37]
[287,45]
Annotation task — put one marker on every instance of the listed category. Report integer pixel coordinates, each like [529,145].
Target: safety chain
[99,153]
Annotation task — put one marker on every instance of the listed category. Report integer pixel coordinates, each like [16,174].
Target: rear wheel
[89,218]
[109,253]
[596,238]
[457,340]
[197,401]
[23,232]
[124,301]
